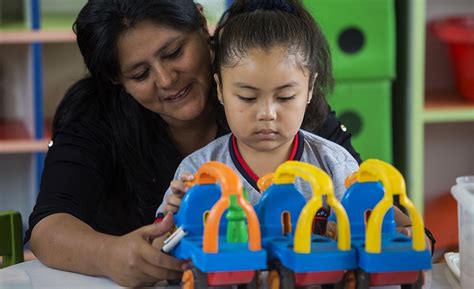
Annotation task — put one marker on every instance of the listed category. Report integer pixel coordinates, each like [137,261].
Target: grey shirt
[327,155]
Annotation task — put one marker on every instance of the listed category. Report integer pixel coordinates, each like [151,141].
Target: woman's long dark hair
[138,135]
[267,23]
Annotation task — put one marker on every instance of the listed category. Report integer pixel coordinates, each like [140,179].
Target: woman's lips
[180,95]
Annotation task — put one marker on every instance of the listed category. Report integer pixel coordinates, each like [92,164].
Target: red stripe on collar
[243,164]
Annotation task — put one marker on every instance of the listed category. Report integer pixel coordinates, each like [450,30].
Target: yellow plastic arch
[375,170]
[321,184]
[211,172]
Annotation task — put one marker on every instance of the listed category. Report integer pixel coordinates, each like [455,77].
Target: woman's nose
[164,76]
[266,111]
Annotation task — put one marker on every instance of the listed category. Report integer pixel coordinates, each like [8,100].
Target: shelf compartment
[447,106]
[59,14]
[15,138]
[13,15]
[58,22]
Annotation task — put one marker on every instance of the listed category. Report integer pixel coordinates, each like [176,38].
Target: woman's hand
[178,189]
[131,261]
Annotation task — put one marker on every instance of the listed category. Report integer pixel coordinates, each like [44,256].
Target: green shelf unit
[361,34]
[363,53]
[441,115]
[365,109]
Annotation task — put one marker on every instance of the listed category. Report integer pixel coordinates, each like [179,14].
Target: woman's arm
[64,242]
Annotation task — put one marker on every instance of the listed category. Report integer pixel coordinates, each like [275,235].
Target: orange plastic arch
[264,182]
[212,172]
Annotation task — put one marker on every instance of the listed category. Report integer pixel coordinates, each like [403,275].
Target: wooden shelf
[24,37]
[447,106]
[14,138]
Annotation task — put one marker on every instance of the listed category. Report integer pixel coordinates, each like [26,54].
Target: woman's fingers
[155,258]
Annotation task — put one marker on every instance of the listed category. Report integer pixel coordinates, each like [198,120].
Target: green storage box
[361,34]
[365,109]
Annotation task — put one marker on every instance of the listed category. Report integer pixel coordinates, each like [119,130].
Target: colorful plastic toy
[217,245]
[277,236]
[298,257]
[386,257]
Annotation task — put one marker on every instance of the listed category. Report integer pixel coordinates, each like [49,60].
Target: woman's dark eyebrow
[164,47]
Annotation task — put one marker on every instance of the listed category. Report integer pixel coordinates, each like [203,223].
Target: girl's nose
[266,111]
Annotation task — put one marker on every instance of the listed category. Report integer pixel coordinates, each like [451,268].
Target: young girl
[273,71]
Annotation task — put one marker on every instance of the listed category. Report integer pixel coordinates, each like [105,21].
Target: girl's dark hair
[264,24]
[137,133]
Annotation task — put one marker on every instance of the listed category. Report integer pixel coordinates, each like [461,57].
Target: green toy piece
[11,238]
[237,230]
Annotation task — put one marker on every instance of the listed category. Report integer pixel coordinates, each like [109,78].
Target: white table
[34,275]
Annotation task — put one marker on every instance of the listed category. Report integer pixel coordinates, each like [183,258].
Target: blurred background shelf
[447,106]
[26,37]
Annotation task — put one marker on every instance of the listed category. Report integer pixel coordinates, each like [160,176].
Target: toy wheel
[280,277]
[347,282]
[362,279]
[418,283]
[254,284]
[194,279]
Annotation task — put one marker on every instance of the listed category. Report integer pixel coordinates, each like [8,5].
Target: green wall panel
[365,109]
[361,34]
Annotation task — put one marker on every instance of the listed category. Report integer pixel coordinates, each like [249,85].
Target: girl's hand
[178,189]
[131,261]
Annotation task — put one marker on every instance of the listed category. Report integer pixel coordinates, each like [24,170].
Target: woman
[120,133]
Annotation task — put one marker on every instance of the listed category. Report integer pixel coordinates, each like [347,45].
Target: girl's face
[166,70]
[265,97]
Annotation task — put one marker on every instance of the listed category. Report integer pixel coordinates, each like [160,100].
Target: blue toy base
[231,257]
[397,255]
[324,256]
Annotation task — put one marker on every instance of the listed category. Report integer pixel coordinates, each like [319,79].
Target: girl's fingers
[178,187]
[174,200]
[187,177]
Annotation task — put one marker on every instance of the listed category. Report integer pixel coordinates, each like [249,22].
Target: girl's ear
[219,88]
[311,88]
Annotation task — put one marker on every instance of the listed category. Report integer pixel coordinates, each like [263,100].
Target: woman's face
[166,70]
[265,97]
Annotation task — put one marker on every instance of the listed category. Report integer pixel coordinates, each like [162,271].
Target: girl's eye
[246,99]
[142,76]
[174,54]
[285,98]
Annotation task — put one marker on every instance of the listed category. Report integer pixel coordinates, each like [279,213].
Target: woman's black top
[81,178]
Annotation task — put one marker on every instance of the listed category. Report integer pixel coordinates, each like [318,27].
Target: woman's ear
[311,87]
[219,88]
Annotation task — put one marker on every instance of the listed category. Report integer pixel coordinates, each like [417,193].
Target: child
[273,70]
